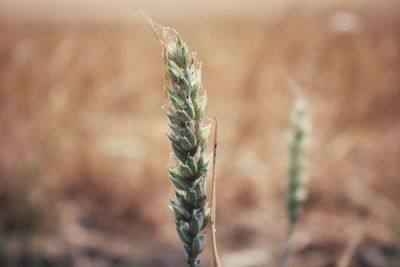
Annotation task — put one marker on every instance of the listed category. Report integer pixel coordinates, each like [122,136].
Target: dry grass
[81,122]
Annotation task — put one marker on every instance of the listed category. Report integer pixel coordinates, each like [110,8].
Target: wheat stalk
[296,191]
[188,137]
[213,218]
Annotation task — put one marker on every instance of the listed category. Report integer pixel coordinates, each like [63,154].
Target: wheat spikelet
[188,137]
[296,191]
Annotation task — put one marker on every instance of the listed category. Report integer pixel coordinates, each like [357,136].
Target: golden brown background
[83,150]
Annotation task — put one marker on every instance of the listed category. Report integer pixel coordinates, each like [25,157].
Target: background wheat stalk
[296,191]
[188,137]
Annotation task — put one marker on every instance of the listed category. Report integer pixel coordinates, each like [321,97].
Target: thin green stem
[288,247]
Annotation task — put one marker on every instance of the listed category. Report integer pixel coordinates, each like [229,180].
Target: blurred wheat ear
[296,190]
[188,137]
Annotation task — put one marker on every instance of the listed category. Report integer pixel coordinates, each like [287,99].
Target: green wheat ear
[296,191]
[188,137]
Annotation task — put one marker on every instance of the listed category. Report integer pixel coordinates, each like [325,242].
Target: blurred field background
[83,149]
